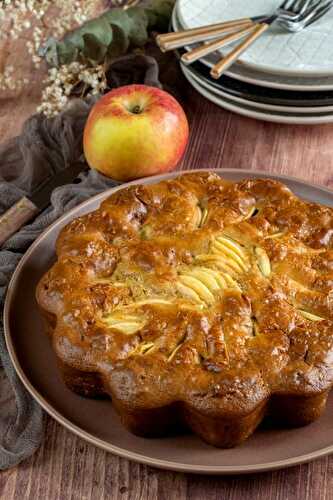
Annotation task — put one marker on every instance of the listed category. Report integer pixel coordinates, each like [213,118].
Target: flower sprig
[80,49]
[63,82]
[34,20]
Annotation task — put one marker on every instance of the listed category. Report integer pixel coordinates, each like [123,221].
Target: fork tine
[309,12]
[313,10]
[295,7]
[284,4]
[306,5]
[299,6]
[328,4]
[316,10]
[320,13]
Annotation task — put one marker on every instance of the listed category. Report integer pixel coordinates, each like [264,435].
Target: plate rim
[237,75]
[130,455]
[299,111]
[257,114]
[266,68]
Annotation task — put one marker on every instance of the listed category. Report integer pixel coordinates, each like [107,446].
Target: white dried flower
[9,82]
[40,19]
[61,82]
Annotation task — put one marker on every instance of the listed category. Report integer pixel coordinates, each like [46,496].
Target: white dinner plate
[256,113]
[243,73]
[307,53]
[255,104]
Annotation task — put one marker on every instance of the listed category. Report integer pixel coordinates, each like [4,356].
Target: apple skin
[135,131]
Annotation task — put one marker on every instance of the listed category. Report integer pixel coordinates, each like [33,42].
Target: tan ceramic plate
[96,421]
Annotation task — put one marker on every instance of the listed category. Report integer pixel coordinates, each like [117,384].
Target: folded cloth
[45,147]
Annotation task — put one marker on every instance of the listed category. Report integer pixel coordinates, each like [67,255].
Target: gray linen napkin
[45,147]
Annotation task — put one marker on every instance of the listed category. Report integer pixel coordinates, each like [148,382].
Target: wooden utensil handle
[15,217]
[204,33]
[227,61]
[207,48]
[210,27]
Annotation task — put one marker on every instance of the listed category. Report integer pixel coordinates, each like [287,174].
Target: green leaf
[49,51]
[120,18]
[162,7]
[93,50]
[138,35]
[66,52]
[100,28]
[109,35]
[119,45]
[159,13]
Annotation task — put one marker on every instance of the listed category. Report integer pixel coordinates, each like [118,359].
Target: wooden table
[66,467]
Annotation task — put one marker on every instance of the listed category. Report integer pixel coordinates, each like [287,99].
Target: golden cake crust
[197,302]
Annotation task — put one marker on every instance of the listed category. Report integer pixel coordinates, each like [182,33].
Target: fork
[288,9]
[125,4]
[298,25]
[314,11]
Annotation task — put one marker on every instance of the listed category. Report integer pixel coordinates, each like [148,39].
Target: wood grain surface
[66,467]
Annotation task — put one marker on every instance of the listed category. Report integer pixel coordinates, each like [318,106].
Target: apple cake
[197,303]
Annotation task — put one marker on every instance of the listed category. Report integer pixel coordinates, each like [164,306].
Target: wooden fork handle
[208,48]
[227,61]
[171,41]
[206,29]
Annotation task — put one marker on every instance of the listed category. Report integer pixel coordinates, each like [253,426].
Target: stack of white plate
[283,77]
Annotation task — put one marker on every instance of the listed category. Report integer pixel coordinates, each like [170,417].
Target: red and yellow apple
[135,131]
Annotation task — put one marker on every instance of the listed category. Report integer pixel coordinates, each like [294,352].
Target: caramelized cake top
[199,290]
